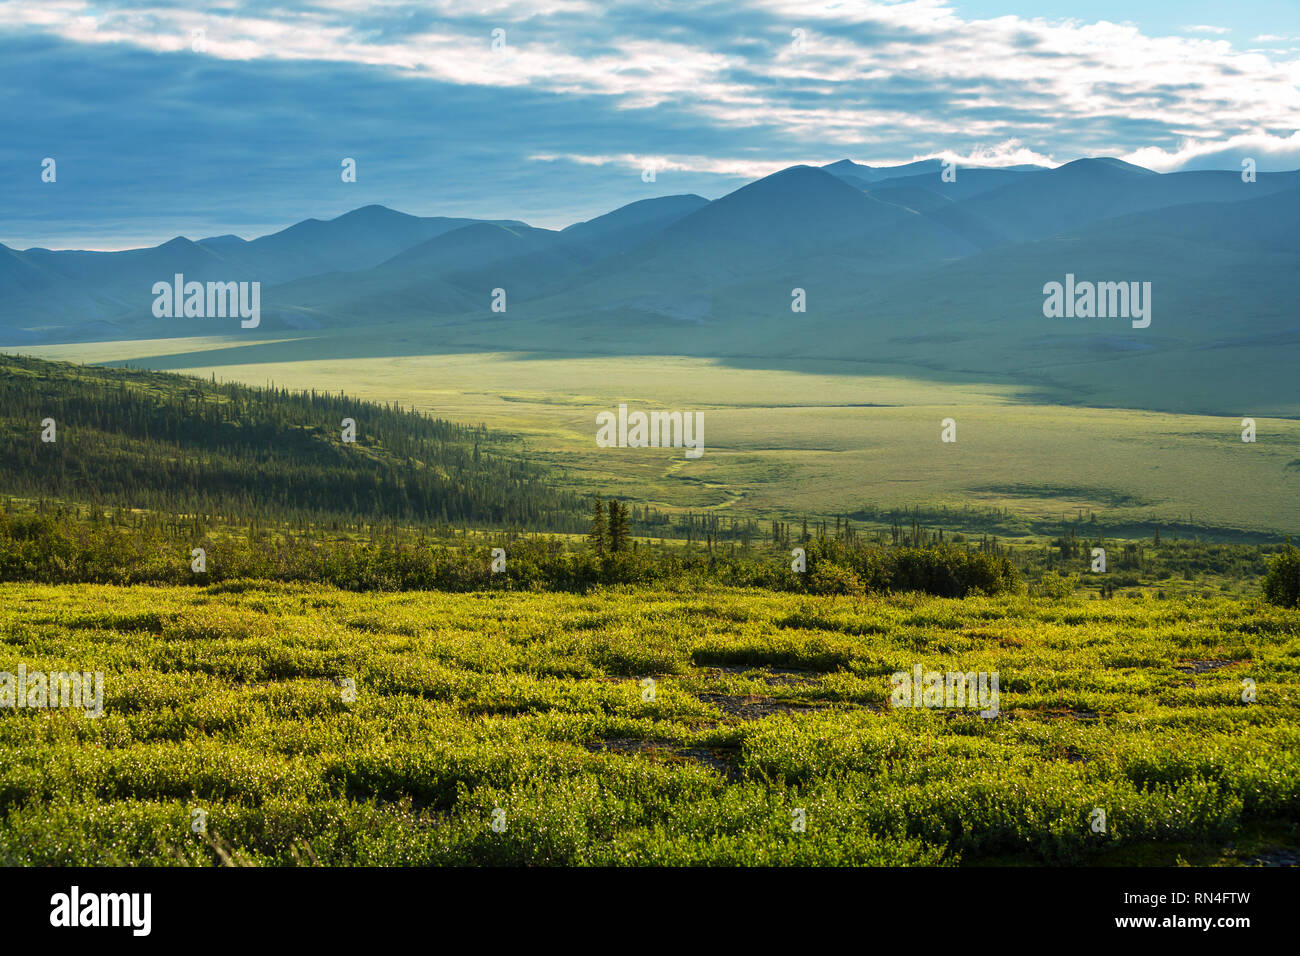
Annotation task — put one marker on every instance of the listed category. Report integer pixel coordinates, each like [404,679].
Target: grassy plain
[229,700]
[812,438]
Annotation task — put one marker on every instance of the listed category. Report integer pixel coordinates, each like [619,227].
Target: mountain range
[897,266]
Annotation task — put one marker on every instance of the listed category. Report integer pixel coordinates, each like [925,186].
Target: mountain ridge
[967,257]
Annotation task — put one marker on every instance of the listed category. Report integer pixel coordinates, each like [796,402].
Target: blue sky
[1242,21]
[157,132]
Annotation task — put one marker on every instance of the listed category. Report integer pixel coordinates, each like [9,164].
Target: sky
[553,111]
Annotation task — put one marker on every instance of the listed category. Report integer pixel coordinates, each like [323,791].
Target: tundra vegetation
[351,683]
[233,700]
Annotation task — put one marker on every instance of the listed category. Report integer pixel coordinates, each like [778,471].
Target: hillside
[182,445]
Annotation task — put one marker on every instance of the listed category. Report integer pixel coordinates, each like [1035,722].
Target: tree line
[171,443]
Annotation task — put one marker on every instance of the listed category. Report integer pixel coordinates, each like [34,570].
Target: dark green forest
[180,445]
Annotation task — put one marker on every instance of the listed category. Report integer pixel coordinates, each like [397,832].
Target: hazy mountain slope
[465,248]
[428,279]
[1089,190]
[874,174]
[19,275]
[1216,291]
[796,207]
[636,221]
[941,209]
[356,240]
[900,270]
[1269,220]
[458,270]
[748,250]
[1213,292]
[72,288]
[968,180]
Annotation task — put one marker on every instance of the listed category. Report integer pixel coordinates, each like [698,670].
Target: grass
[820,438]
[230,700]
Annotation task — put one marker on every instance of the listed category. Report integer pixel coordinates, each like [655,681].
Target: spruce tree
[597,534]
[618,533]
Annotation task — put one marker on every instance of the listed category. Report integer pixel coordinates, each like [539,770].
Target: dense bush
[1056,585]
[839,567]
[1282,583]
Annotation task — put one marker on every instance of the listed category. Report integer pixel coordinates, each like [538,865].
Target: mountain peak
[801,175]
[1104,165]
[374,211]
[792,185]
[798,204]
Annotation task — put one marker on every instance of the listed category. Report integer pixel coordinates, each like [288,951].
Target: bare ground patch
[720,759]
[755,706]
[1200,667]
[774,676]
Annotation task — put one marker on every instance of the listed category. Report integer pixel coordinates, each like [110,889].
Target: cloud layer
[168,121]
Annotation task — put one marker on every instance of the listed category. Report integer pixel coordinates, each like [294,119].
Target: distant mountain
[805,211]
[935,205]
[795,206]
[796,226]
[1224,331]
[457,271]
[847,169]
[892,264]
[72,288]
[424,279]
[467,247]
[1269,222]
[355,240]
[1206,275]
[967,181]
[1089,190]
[635,221]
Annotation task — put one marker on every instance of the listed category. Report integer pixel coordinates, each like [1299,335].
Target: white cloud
[1271,154]
[869,73]
[720,166]
[1009,153]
